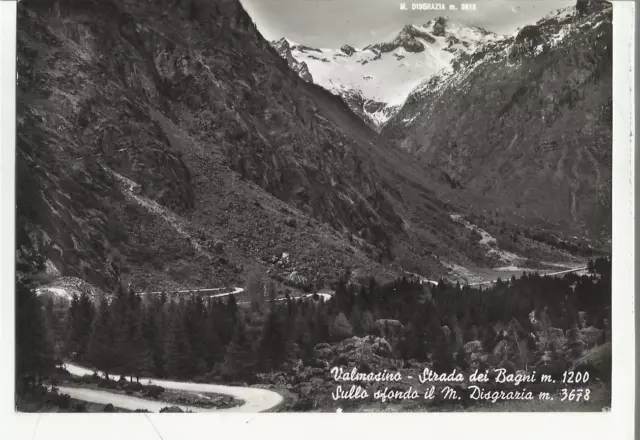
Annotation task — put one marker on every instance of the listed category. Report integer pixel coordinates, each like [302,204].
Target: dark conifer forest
[221,341]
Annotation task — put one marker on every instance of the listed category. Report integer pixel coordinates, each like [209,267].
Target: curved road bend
[255,399]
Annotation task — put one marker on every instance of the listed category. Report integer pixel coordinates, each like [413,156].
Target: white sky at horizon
[333,23]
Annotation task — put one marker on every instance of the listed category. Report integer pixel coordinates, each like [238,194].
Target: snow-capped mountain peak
[376,80]
[284,47]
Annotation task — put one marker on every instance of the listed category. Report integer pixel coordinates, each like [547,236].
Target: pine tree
[238,361]
[55,322]
[461,360]
[355,319]
[443,355]
[81,315]
[341,328]
[154,334]
[302,335]
[177,351]
[194,322]
[72,343]
[367,322]
[214,349]
[34,353]
[273,347]
[232,309]
[100,347]
[141,356]
[123,351]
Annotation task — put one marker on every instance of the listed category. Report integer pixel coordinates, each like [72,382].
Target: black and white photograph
[314,206]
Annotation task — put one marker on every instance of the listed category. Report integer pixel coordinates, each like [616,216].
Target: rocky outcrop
[527,41]
[283,47]
[347,50]
[369,110]
[408,39]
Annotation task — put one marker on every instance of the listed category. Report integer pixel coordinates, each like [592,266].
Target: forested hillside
[541,324]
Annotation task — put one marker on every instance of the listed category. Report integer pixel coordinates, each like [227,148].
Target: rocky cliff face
[526,120]
[283,47]
[171,142]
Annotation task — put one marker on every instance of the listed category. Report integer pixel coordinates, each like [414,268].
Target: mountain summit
[376,80]
[283,47]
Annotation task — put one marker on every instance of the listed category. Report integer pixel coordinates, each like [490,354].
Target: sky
[333,23]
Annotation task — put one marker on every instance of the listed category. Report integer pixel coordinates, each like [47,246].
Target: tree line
[193,338]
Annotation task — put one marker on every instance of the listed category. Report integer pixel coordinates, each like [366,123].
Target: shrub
[109,408]
[508,366]
[134,386]
[341,328]
[63,401]
[171,409]
[154,391]
[341,361]
[110,384]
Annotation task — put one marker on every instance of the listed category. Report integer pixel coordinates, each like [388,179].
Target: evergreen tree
[101,342]
[355,319]
[273,345]
[153,329]
[367,322]
[34,353]
[213,346]
[302,336]
[341,328]
[239,360]
[123,350]
[194,323]
[443,355]
[55,322]
[461,360]
[81,316]
[177,352]
[142,357]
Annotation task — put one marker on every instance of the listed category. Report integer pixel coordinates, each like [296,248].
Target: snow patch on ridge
[389,76]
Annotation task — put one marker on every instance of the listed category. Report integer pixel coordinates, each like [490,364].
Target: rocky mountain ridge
[375,80]
[171,145]
[526,120]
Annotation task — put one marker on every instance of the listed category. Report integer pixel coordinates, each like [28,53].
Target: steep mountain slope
[169,143]
[376,80]
[526,121]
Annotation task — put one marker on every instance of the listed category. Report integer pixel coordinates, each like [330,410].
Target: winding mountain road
[577,269]
[424,280]
[255,399]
